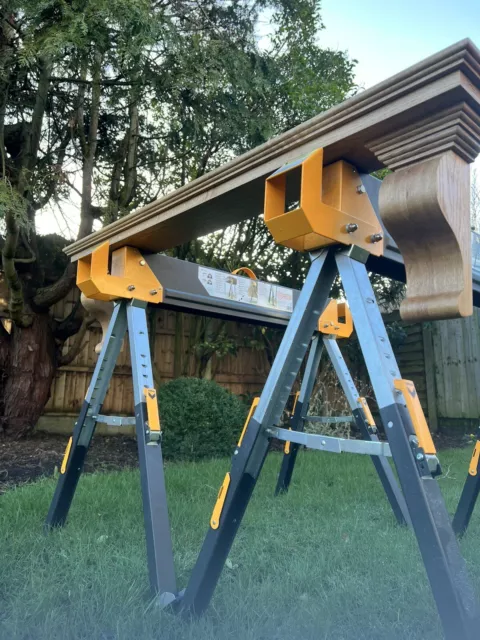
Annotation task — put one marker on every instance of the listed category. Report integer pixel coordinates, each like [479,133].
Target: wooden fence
[456,352]
[442,359]
[243,373]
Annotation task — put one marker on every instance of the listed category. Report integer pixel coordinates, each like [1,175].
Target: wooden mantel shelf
[428,111]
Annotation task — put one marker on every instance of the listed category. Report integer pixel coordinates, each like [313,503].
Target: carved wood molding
[425,204]
[454,129]
[426,208]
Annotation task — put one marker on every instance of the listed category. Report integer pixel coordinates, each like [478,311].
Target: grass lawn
[325,561]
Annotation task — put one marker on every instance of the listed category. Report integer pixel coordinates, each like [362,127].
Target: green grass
[325,561]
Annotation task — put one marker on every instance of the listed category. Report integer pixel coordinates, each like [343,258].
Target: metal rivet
[376,237]
[420,456]
[142,263]
[323,443]
[390,424]
[361,189]
[153,292]
[351,227]
[131,287]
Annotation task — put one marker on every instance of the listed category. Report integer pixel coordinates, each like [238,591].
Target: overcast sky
[384,36]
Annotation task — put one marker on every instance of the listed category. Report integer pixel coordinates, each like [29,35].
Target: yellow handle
[217,509]
[416,414]
[250,414]
[473,468]
[63,468]
[152,409]
[247,271]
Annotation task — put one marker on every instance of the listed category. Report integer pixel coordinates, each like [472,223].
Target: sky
[389,36]
[385,37]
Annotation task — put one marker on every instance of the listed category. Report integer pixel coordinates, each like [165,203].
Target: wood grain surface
[426,208]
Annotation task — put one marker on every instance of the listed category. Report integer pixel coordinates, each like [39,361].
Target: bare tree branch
[47,296]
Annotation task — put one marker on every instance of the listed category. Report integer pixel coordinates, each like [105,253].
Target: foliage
[13,202]
[200,419]
[115,102]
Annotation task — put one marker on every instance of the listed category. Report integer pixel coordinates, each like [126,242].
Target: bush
[199,418]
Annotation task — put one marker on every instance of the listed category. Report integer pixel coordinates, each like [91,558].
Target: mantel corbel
[425,206]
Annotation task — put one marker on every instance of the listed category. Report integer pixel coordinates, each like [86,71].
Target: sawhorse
[408,437]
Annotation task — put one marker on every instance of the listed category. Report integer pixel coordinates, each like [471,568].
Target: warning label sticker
[241,289]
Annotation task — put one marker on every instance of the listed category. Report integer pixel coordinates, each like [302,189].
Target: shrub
[200,419]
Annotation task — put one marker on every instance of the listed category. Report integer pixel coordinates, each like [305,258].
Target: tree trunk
[27,381]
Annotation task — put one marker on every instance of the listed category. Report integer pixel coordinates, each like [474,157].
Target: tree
[121,101]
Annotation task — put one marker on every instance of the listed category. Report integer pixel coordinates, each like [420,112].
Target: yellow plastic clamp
[217,509]
[66,455]
[473,468]
[416,414]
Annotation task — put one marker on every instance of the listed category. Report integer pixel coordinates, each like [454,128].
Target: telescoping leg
[412,451]
[161,568]
[248,459]
[299,412]
[79,443]
[366,425]
[470,492]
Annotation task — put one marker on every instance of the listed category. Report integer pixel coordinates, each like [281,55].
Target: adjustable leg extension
[157,531]
[470,492]
[79,443]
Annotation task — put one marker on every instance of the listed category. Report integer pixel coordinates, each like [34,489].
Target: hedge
[200,419]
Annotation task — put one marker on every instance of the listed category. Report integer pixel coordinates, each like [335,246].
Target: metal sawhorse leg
[406,430]
[361,415]
[470,492]
[129,316]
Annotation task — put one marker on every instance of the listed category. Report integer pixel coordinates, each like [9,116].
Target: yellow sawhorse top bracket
[333,206]
[128,277]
